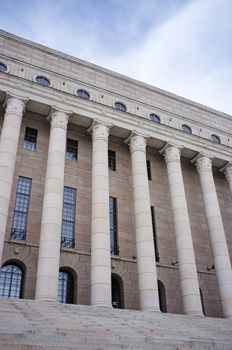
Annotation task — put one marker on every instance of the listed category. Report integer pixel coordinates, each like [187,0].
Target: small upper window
[215,138]
[30,139]
[3,67]
[71,149]
[83,94]
[112,160]
[154,117]
[120,106]
[186,129]
[42,81]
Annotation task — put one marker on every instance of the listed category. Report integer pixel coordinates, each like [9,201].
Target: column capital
[15,104]
[137,142]
[59,118]
[99,130]
[171,152]
[227,170]
[203,162]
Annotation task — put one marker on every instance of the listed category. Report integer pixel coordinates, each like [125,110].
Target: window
[148,169]
[42,81]
[19,225]
[3,67]
[113,226]
[162,297]
[202,302]
[112,160]
[154,117]
[83,94]
[120,106]
[154,233]
[65,287]
[11,280]
[117,291]
[186,129]
[71,149]
[215,138]
[30,139]
[69,213]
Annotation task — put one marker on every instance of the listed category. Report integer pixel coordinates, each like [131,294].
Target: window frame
[71,146]
[186,128]
[70,287]
[19,287]
[25,145]
[22,212]
[113,217]
[112,160]
[66,240]
[81,93]
[155,240]
[149,170]
[41,76]
[5,66]
[154,118]
[215,139]
[120,106]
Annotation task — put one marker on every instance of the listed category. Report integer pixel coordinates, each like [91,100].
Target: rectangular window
[30,139]
[113,226]
[69,214]
[71,149]
[112,160]
[19,225]
[148,169]
[154,233]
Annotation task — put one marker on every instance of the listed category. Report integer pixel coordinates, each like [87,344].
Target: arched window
[162,297]
[83,94]
[215,138]
[42,80]
[186,128]
[3,67]
[154,117]
[120,106]
[11,281]
[202,301]
[65,287]
[117,292]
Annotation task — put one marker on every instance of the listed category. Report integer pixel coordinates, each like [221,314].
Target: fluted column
[185,251]
[216,232]
[100,235]
[50,236]
[8,150]
[146,262]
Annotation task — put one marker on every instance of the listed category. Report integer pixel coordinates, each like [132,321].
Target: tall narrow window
[19,225]
[112,160]
[68,223]
[71,149]
[162,297]
[154,233]
[65,287]
[11,280]
[148,169]
[30,139]
[113,226]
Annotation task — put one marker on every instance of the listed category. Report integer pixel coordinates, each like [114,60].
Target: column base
[46,299]
[100,305]
[150,309]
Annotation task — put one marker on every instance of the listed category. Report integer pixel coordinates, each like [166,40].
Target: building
[112,192]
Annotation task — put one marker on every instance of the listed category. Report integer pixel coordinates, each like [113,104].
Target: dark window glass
[162,297]
[65,287]
[19,225]
[120,106]
[83,94]
[148,169]
[69,213]
[71,149]
[154,117]
[113,226]
[30,139]
[202,302]
[112,160]
[154,233]
[3,67]
[215,138]
[186,129]
[11,279]
[42,81]
[117,292]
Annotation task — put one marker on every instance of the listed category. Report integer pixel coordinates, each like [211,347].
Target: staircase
[34,325]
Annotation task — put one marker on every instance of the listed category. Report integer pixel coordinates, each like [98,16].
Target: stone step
[28,324]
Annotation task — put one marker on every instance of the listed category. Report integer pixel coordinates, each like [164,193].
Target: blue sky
[182,46]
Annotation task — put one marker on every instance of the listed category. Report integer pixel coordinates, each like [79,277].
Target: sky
[182,46]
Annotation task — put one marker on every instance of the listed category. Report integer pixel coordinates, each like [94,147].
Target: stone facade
[193,221]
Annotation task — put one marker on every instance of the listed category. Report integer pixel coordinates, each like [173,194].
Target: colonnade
[50,237]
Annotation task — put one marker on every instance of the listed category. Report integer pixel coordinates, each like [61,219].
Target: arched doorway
[162,297]
[65,287]
[117,292]
[11,280]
